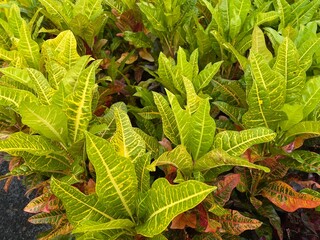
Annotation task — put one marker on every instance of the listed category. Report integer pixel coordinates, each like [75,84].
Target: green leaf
[143,175]
[236,143]
[28,48]
[22,142]
[286,198]
[178,157]
[309,128]
[41,85]
[218,158]
[182,118]
[52,217]
[235,223]
[63,48]
[78,103]
[138,39]
[266,96]
[90,226]
[165,72]
[79,206]
[19,75]
[164,202]
[206,75]
[311,95]
[305,161]
[306,52]
[13,98]
[259,44]
[294,113]
[203,130]
[52,162]
[230,92]
[127,142]
[287,64]
[49,121]
[170,127]
[116,184]
[235,113]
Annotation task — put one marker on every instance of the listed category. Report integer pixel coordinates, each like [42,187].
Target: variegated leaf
[236,143]
[90,226]
[116,184]
[182,118]
[22,142]
[13,98]
[286,198]
[178,157]
[202,130]
[52,218]
[170,127]
[218,158]
[309,128]
[49,121]
[63,48]
[311,95]
[287,64]
[126,141]
[163,202]
[305,161]
[79,206]
[41,85]
[225,187]
[27,47]
[206,75]
[78,103]
[235,223]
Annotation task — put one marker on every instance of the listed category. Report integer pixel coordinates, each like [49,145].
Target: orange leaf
[225,187]
[235,223]
[184,220]
[286,198]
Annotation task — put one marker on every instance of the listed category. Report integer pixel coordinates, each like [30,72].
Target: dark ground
[14,223]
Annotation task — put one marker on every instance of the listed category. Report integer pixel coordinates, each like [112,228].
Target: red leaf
[235,223]
[183,220]
[286,198]
[225,187]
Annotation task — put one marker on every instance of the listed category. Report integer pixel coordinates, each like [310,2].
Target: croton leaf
[27,47]
[202,130]
[78,103]
[286,198]
[49,121]
[225,187]
[287,64]
[218,157]
[22,142]
[13,98]
[90,226]
[127,142]
[305,161]
[308,128]
[311,95]
[178,157]
[170,127]
[163,202]
[78,205]
[268,211]
[235,223]
[63,47]
[52,217]
[116,183]
[236,143]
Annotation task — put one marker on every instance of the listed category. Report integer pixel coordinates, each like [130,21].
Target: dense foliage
[163,119]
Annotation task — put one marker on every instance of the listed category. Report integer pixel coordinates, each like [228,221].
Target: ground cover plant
[163,119]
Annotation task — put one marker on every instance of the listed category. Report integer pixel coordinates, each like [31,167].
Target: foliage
[162,119]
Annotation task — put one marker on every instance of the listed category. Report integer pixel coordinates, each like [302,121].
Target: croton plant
[149,119]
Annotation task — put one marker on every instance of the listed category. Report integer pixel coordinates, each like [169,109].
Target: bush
[162,119]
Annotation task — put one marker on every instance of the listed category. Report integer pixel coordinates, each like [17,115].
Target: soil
[14,223]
